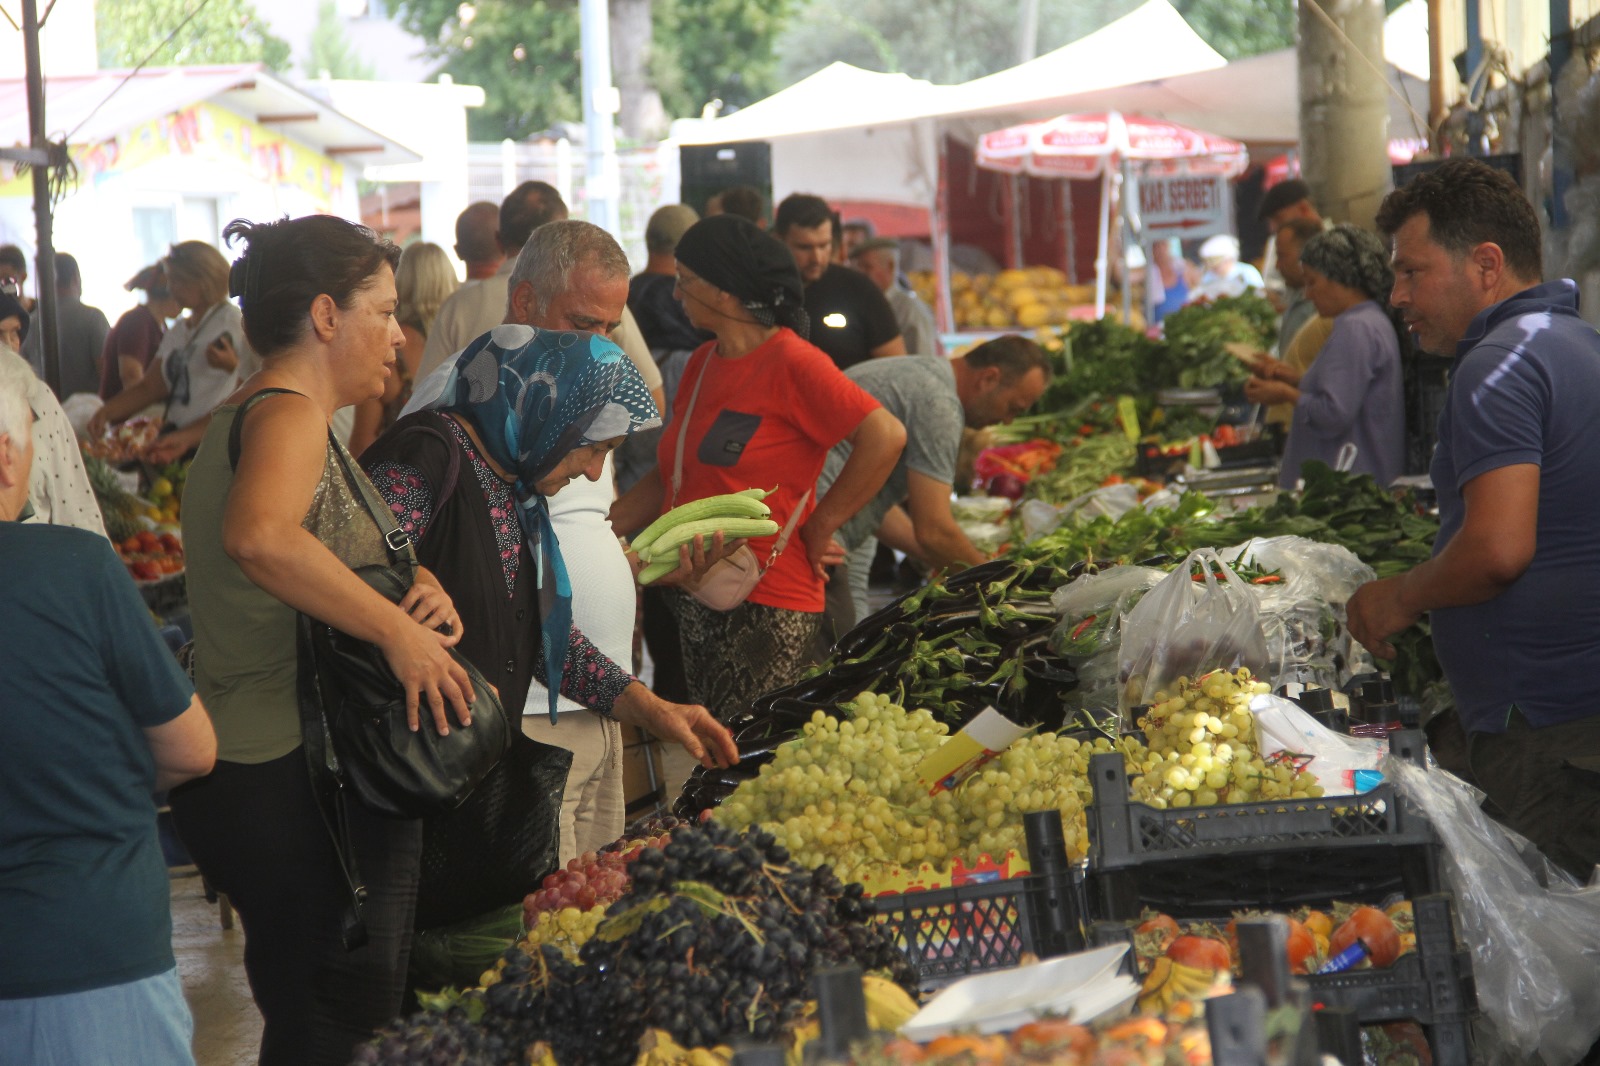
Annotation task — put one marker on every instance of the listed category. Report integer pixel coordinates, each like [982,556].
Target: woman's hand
[98,422]
[821,548]
[419,660]
[431,607]
[170,447]
[1260,390]
[690,725]
[696,560]
[220,353]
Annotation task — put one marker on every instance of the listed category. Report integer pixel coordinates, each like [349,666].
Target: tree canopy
[331,52]
[222,31]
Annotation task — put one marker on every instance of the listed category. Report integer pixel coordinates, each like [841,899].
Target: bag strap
[677,472]
[327,783]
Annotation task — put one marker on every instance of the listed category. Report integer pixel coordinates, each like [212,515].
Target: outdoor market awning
[91,108]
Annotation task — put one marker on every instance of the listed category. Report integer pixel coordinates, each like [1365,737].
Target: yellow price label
[1128,412]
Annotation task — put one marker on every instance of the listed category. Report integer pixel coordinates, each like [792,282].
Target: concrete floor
[227,1027]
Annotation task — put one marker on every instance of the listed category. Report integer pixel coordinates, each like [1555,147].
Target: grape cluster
[1203,751]
[849,794]
[716,937]
[596,879]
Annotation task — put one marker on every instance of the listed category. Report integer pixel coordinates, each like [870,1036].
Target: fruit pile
[1202,748]
[595,879]
[1130,1041]
[151,556]
[1030,298]
[125,442]
[847,792]
[716,938]
[166,495]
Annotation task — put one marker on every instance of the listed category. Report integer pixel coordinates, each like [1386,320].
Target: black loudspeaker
[707,169]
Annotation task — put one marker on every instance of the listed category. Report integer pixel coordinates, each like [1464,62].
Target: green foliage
[522,53]
[716,50]
[331,52]
[1240,28]
[944,41]
[1194,356]
[224,31]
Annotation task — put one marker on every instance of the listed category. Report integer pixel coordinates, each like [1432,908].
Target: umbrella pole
[1105,237]
[1124,214]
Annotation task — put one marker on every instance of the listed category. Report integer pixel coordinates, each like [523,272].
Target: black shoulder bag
[347,682]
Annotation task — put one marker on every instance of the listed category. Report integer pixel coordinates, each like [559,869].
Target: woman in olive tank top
[275,534]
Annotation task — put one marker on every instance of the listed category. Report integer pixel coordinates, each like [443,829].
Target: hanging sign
[1184,205]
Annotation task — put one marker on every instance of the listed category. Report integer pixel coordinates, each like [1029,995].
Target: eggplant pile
[979,639]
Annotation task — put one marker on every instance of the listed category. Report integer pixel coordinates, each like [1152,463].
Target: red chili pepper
[1268,579]
[1078,629]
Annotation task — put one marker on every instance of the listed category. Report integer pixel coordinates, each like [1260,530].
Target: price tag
[1128,412]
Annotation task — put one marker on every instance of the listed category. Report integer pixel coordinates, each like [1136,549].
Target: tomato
[1158,931]
[171,544]
[145,571]
[131,545]
[1373,928]
[1201,952]
[149,542]
[1302,947]
[1055,1035]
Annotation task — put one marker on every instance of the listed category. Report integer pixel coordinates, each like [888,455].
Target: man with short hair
[1284,203]
[475,309]
[745,201]
[477,243]
[1513,588]
[1301,331]
[879,259]
[850,319]
[935,399]
[80,332]
[14,274]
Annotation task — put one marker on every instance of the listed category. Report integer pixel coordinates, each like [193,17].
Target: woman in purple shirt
[1354,394]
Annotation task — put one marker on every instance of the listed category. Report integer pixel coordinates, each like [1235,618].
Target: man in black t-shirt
[850,318]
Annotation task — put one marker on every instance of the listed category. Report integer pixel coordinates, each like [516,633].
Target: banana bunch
[888,1005]
[1169,983]
[657,1048]
[735,515]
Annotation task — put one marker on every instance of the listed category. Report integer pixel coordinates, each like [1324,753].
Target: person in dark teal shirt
[97,718]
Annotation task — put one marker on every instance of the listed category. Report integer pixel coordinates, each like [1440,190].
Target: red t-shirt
[767,418]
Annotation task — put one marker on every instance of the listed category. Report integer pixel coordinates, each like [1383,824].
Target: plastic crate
[949,933]
[1433,986]
[1202,861]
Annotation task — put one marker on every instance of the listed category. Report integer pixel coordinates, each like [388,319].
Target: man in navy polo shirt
[1513,587]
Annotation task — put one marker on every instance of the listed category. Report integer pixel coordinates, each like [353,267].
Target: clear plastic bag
[1303,617]
[1185,628]
[1343,765]
[1092,609]
[1534,933]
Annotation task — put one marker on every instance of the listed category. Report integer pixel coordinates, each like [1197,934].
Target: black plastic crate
[949,933]
[1433,986]
[1202,861]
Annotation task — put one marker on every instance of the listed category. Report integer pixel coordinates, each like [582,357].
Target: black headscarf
[1353,257]
[11,306]
[738,257]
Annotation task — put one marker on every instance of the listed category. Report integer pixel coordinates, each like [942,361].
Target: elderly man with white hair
[1223,274]
[103,719]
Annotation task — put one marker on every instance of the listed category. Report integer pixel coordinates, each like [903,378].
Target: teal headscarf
[534,396]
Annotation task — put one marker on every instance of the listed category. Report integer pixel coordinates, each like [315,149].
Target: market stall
[1125,153]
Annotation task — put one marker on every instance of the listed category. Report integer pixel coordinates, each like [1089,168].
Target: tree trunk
[1344,114]
[642,117]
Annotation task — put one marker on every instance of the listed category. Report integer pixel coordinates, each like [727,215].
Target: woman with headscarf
[277,519]
[1354,394]
[762,408]
[502,426]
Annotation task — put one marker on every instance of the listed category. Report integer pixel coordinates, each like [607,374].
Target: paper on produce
[957,758]
[1084,986]
[1343,765]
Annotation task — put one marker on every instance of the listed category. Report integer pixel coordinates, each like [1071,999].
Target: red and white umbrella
[1084,146]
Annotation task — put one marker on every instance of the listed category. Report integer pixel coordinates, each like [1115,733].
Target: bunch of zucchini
[736,515]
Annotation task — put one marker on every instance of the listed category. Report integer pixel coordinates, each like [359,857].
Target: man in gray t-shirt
[934,398]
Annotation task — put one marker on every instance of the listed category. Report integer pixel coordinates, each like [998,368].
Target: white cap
[1222,246]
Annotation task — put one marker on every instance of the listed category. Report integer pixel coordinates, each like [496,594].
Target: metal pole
[1028,31]
[1105,230]
[1561,171]
[1437,109]
[600,105]
[45,259]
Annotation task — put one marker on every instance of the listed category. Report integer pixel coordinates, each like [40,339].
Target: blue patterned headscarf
[535,396]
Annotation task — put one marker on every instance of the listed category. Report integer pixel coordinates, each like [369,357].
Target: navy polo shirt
[1525,388]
